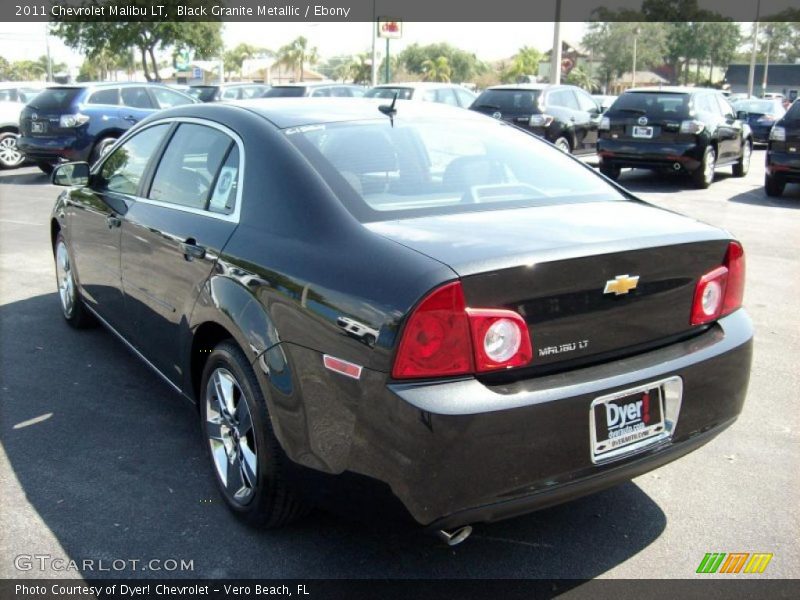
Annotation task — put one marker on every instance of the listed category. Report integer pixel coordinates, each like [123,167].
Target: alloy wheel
[65,280]
[229,426]
[10,156]
[709,165]
[747,153]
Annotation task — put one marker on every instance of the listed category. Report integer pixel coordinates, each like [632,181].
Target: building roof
[777,74]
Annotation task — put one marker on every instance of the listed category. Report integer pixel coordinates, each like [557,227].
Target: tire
[773,187]
[741,168]
[610,171]
[703,176]
[100,149]
[46,167]
[10,156]
[253,484]
[563,144]
[72,307]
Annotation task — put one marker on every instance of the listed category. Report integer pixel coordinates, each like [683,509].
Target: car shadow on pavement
[23,176]
[664,182]
[758,197]
[110,459]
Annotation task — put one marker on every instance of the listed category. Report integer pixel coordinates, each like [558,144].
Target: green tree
[524,63]
[95,37]
[582,78]
[464,66]
[296,55]
[612,42]
[437,69]
[234,58]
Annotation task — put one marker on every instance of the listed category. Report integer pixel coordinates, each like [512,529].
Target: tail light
[542,120]
[445,338]
[692,126]
[605,124]
[720,291]
[777,134]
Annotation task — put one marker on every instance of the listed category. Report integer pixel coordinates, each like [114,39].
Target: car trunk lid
[590,280]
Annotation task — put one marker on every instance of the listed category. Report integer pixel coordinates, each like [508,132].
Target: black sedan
[535,332]
[783,153]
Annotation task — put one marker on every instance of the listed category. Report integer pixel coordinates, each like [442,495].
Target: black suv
[692,130]
[783,152]
[564,115]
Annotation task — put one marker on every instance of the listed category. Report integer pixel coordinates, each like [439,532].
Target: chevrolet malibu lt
[537,333]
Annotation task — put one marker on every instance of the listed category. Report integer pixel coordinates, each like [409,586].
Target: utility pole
[636,33]
[47,49]
[373,29]
[555,58]
[752,74]
[768,31]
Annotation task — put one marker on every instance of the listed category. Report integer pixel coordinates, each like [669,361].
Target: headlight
[540,120]
[777,134]
[75,120]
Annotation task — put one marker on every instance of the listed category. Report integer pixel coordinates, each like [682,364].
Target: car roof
[672,89]
[524,86]
[105,84]
[287,112]
[305,84]
[418,84]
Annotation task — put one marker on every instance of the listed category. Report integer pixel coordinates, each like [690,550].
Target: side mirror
[742,115]
[73,174]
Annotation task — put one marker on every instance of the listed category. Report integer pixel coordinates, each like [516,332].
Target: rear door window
[563,99]
[109,96]
[231,94]
[166,98]
[509,101]
[136,97]
[188,170]
[586,102]
[122,171]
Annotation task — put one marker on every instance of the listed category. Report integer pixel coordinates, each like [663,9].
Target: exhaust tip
[455,537]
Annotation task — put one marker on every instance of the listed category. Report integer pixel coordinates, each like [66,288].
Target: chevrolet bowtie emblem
[621,284]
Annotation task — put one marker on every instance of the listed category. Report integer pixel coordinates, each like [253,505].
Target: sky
[489,41]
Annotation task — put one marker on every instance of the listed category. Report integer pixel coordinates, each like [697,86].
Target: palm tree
[582,78]
[436,69]
[296,54]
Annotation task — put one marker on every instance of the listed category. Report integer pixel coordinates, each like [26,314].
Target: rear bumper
[460,451]
[650,155]
[57,148]
[784,166]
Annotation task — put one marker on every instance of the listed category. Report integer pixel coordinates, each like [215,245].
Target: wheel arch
[9,129]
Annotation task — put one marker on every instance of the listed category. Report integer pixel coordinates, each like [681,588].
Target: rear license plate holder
[38,126]
[642,132]
[633,420]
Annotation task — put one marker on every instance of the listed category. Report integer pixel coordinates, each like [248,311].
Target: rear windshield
[509,101]
[55,98]
[761,107]
[289,91]
[793,114]
[383,171]
[403,93]
[203,93]
[655,105]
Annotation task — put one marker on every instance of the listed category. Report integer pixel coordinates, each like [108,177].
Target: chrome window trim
[234,216]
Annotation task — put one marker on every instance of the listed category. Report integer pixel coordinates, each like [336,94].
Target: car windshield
[403,93]
[203,93]
[653,104]
[385,170]
[509,101]
[55,98]
[286,91]
[761,107]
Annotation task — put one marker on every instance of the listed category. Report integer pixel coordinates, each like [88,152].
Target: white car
[427,91]
[13,97]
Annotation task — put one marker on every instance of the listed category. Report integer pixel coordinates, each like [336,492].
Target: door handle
[113,221]
[191,250]
[130,118]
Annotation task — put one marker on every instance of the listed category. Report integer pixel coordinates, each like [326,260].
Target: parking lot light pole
[555,58]
[752,74]
[769,32]
[636,33]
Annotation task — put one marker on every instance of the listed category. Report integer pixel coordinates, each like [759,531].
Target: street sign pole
[389,29]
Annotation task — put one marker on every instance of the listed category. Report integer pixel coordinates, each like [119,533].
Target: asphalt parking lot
[100,460]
